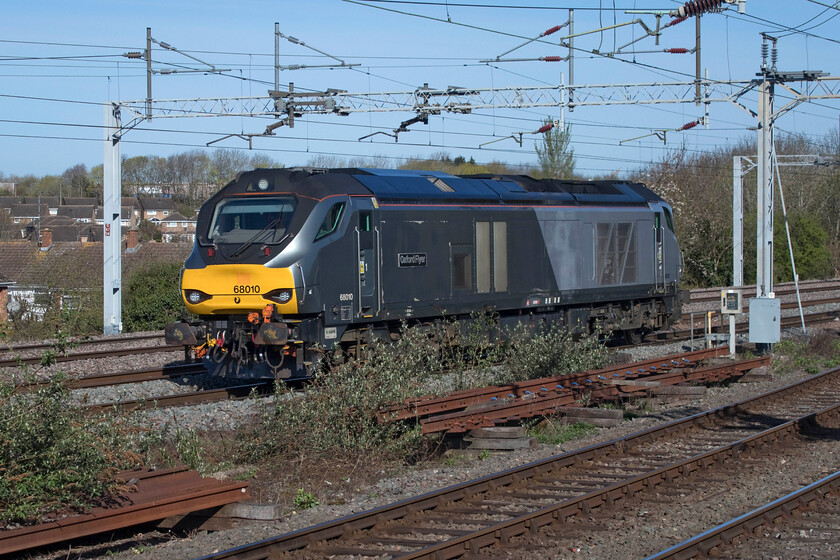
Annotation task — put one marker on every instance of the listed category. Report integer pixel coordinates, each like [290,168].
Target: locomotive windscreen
[259,220]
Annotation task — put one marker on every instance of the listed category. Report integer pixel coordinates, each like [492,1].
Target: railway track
[125,339]
[803,523]
[124,377]
[99,354]
[191,398]
[811,286]
[486,406]
[466,518]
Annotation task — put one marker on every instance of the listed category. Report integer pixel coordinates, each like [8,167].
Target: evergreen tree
[557,159]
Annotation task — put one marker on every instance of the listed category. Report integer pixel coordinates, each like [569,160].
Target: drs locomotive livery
[289,264]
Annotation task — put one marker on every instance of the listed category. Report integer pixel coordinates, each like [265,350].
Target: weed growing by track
[555,432]
[54,457]
[551,353]
[819,353]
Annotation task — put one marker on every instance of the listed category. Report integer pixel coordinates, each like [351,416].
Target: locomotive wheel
[634,336]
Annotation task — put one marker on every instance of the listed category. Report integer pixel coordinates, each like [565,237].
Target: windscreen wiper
[242,248]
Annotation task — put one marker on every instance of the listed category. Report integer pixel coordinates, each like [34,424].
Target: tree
[225,164]
[557,159]
[152,297]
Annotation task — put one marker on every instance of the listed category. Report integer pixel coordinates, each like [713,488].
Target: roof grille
[440,184]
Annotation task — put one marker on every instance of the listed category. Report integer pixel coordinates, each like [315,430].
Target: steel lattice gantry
[285,106]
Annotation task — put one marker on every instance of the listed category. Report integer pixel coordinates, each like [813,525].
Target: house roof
[28,211]
[9,201]
[5,281]
[176,217]
[126,212]
[76,264]
[131,201]
[51,201]
[63,228]
[77,212]
[86,201]
[157,203]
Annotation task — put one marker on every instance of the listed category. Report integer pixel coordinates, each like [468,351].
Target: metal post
[737,239]
[764,269]
[149,73]
[571,96]
[276,56]
[765,309]
[111,241]
[697,69]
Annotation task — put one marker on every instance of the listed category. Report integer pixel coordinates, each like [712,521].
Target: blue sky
[59,62]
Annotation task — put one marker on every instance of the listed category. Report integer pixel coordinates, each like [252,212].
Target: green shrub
[339,413]
[555,432]
[339,410]
[52,455]
[550,353]
[152,297]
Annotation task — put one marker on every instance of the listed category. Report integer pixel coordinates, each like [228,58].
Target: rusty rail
[486,406]
[16,362]
[741,527]
[156,495]
[185,399]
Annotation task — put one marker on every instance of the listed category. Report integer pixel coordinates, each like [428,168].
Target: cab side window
[331,221]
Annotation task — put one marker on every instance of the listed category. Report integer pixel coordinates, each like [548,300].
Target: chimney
[46,238]
[132,239]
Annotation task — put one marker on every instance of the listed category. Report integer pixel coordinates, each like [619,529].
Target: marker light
[279,296]
[196,296]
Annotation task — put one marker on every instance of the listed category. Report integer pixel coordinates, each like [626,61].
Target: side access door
[368,250]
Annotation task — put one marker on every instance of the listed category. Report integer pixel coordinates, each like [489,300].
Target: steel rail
[596,392]
[184,399]
[741,527]
[17,362]
[533,521]
[157,495]
[487,406]
[425,406]
[79,342]
[123,377]
[470,542]
[743,326]
[713,294]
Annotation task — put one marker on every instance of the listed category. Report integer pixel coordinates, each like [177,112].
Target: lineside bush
[551,353]
[54,457]
[339,411]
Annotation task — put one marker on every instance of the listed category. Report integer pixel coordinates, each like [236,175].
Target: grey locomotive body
[362,250]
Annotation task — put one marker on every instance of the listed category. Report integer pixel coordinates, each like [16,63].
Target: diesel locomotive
[291,263]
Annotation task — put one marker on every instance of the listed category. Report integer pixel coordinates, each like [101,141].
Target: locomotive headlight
[196,296]
[262,184]
[279,296]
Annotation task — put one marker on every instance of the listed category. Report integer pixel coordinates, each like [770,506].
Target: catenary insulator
[545,128]
[551,58]
[554,29]
[692,124]
[677,50]
[675,21]
[697,7]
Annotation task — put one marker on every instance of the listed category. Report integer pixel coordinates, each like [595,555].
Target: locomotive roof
[421,186]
